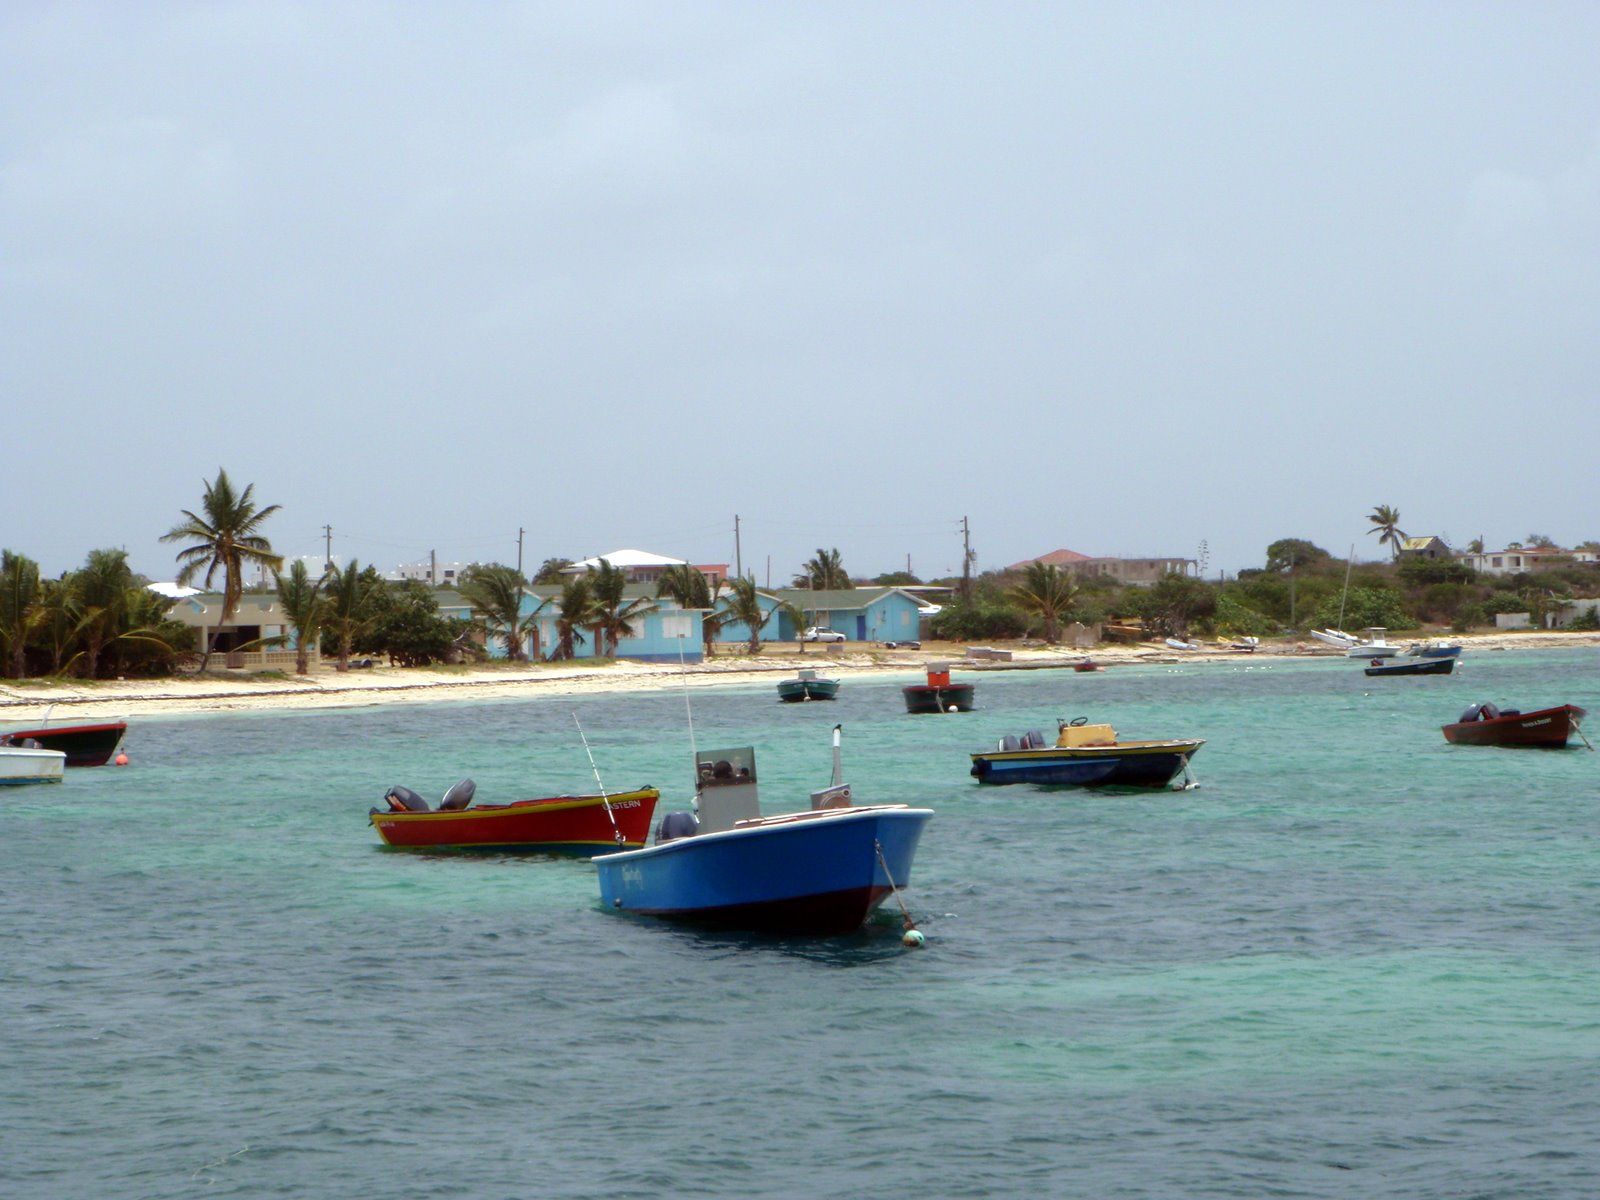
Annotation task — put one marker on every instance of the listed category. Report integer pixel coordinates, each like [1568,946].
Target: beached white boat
[25,764]
[1373,646]
[1178,644]
[1335,637]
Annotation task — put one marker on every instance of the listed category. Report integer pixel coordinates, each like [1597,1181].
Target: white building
[435,574]
[640,566]
[1519,559]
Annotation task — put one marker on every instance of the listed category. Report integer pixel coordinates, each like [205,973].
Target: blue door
[861,629]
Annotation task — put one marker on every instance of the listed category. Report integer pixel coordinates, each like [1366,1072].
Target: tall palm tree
[19,612]
[306,610]
[616,613]
[574,612]
[102,585]
[1386,524]
[689,588]
[742,606]
[496,592]
[826,570]
[349,610]
[1048,592]
[226,538]
[797,618]
[57,613]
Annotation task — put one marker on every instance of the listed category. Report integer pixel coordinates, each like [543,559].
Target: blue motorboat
[819,871]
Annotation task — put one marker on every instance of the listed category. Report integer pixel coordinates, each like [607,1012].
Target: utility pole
[966,560]
[327,547]
[519,550]
[769,571]
[433,568]
[908,564]
[738,560]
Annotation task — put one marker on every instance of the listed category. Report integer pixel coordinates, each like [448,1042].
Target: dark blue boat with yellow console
[819,871]
[1084,755]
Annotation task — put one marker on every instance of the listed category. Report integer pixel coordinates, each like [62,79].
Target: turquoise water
[1356,962]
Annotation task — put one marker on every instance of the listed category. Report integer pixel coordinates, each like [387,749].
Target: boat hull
[557,825]
[1152,765]
[932,698]
[793,691]
[84,745]
[814,873]
[1548,728]
[1413,666]
[20,766]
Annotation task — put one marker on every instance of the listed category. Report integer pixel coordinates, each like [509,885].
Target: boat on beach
[938,694]
[1373,646]
[1545,728]
[24,764]
[807,685]
[583,825]
[1084,755]
[84,744]
[819,871]
[1337,638]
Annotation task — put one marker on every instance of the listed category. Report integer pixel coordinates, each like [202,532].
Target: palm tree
[1386,524]
[19,612]
[57,614]
[496,592]
[348,608]
[550,570]
[742,605]
[826,570]
[797,618]
[305,609]
[225,539]
[1475,546]
[689,588]
[574,610]
[1048,592]
[615,614]
[101,587]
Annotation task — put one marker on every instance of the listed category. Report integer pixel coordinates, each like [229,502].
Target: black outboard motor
[403,799]
[1033,740]
[1010,742]
[1471,714]
[459,796]
[678,825]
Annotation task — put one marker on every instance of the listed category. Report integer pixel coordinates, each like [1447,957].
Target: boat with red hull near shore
[1486,725]
[89,745]
[583,825]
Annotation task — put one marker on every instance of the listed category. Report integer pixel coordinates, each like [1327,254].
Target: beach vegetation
[224,536]
[1385,520]
[824,571]
[1048,593]
[496,594]
[19,611]
[896,579]
[409,629]
[351,606]
[575,608]
[617,617]
[550,569]
[1363,608]
[742,601]
[1287,554]
[303,606]
[689,588]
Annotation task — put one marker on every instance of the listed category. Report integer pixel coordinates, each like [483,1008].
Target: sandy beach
[224,691]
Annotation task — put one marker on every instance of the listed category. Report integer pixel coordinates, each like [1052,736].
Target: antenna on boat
[838,765]
[683,676]
[604,798]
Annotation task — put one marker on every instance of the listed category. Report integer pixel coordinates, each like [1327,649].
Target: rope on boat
[604,798]
[905,913]
[1189,781]
[1582,737]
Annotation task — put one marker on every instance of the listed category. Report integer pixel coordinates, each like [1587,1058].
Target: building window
[675,625]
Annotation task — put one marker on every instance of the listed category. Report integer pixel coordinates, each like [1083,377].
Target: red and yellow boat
[553,825]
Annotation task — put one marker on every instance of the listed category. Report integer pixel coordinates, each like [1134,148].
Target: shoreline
[328,688]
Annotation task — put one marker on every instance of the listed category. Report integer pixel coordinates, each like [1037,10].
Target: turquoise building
[861,614]
[661,634]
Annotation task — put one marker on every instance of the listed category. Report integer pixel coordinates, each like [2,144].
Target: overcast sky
[1119,278]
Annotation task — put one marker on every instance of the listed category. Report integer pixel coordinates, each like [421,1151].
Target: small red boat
[84,745]
[554,825]
[1087,664]
[1486,725]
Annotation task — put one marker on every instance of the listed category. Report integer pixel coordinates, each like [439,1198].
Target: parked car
[814,634]
[904,644]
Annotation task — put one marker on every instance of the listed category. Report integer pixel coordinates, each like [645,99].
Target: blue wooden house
[660,634]
[861,614]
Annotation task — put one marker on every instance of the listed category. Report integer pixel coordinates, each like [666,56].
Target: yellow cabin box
[1072,736]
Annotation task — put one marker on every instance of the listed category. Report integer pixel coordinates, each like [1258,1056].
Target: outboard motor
[403,799]
[1033,740]
[459,796]
[1488,711]
[1010,742]
[1471,714]
[678,825]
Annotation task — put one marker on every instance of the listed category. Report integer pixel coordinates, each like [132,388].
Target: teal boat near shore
[807,686]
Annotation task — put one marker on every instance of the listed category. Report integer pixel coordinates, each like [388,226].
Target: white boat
[1373,647]
[1336,637]
[1178,644]
[25,764]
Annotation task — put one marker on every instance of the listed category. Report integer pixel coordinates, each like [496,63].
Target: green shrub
[1365,607]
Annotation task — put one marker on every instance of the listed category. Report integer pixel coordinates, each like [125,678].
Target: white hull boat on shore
[1336,637]
[1373,647]
[24,764]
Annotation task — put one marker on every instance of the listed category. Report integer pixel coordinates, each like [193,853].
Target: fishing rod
[604,798]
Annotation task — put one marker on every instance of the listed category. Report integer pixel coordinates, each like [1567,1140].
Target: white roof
[628,558]
[172,591]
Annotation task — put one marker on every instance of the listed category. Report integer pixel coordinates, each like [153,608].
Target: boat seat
[459,796]
[403,799]
[678,825]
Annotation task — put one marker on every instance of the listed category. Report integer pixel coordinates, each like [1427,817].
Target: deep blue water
[1356,962]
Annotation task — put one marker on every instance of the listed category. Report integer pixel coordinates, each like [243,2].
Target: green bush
[1366,606]
[981,618]
[1233,617]
[1504,602]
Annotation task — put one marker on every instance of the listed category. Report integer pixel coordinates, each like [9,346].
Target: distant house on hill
[1139,572]
[1424,547]
[1515,560]
[641,566]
